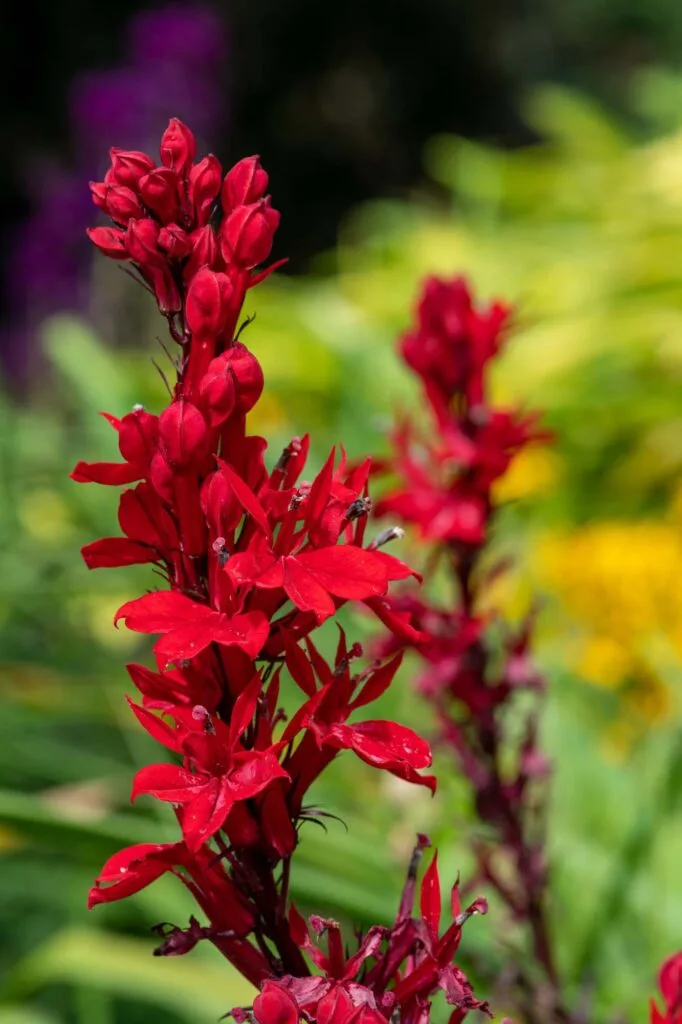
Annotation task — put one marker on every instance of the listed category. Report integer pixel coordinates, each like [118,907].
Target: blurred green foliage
[584,233]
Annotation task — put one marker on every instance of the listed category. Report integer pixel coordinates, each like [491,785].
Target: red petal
[430,898]
[305,591]
[347,571]
[168,782]
[318,495]
[249,632]
[111,552]
[130,870]
[247,499]
[161,612]
[112,474]
[207,813]
[378,682]
[244,708]
[384,740]
[156,727]
[254,774]
[299,666]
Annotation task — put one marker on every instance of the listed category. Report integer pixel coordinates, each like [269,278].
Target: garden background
[538,149]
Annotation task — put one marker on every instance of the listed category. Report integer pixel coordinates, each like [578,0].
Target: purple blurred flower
[173,64]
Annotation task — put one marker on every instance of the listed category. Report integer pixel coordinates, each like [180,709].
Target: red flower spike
[445,478]
[235,545]
[244,184]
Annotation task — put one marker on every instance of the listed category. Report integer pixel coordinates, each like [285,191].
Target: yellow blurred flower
[618,581]
[533,471]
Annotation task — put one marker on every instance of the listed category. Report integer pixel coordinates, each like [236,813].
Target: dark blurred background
[338,98]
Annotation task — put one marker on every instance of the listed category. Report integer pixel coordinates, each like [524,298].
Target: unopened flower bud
[122,204]
[247,234]
[141,242]
[217,390]
[109,241]
[204,185]
[248,376]
[160,192]
[244,184]
[128,166]
[178,147]
[98,190]
[174,241]
[204,252]
[208,302]
[183,433]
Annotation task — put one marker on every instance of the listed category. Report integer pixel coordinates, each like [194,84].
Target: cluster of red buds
[253,560]
[474,664]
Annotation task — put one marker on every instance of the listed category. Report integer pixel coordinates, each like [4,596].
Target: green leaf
[125,968]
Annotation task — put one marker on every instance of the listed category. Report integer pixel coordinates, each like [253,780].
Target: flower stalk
[253,561]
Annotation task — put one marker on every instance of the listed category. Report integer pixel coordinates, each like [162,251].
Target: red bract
[251,560]
[443,479]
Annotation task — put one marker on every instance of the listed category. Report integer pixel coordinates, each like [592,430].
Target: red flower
[219,770]
[189,627]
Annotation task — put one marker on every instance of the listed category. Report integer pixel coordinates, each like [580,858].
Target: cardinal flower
[218,771]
